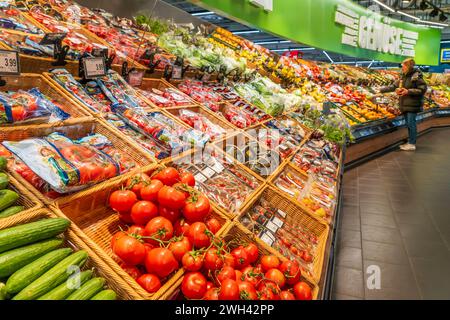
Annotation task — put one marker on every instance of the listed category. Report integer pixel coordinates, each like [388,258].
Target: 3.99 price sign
[9,63]
[94,67]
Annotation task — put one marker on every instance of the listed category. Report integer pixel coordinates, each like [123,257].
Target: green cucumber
[4,181]
[65,289]
[105,295]
[13,260]
[3,163]
[17,236]
[7,198]
[2,291]
[23,277]
[88,290]
[53,277]
[11,211]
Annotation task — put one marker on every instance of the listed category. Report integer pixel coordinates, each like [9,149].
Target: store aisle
[396,215]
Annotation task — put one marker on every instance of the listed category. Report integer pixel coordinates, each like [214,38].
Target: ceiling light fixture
[245,32]
[408,15]
[384,6]
[328,56]
[206,13]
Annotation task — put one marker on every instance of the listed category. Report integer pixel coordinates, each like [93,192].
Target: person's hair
[410,61]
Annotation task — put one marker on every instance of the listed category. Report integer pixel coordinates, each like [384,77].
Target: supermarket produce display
[216,175]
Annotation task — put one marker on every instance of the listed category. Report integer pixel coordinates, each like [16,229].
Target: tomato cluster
[167,218]
[220,274]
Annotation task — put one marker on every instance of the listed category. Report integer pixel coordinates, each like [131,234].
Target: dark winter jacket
[417,87]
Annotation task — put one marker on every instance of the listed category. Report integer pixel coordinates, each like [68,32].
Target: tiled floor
[396,215]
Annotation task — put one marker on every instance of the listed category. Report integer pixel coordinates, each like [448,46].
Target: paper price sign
[177,72]
[9,63]
[94,67]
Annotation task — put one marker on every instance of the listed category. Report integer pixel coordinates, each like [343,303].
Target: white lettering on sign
[375,33]
[9,62]
[265,4]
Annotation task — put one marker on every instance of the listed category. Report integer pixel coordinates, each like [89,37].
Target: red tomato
[209,285]
[213,225]
[168,176]
[150,192]
[192,261]
[133,271]
[291,271]
[110,170]
[116,236]
[302,291]
[197,207]
[238,275]
[194,285]
[187,178]
[252,252]
[269,262]
[158,228]
[161,262]
[179,248]
[126,218]
[286,295]
[229,290]
[229,260]
[276,276]
[268,290]
[149,282]
[247,291]
[143,211]
[181,227]
[90,172]
[211,294]
[306,256]
[250,274]
[170,214]
[136,230]
[198,234]
[240,257]
[18,113]
[130,250]
[212,260]
[171,198]
[137,182]
[122,200]
[226,273]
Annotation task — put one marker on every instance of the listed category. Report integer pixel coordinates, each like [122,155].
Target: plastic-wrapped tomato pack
[202,123]
[291,239]
[167,97]
[222,181]
[288,127]
[28,106]
[119,91]
[68,165]
[201,93]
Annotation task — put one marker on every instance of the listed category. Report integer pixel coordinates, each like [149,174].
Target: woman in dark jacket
[411,89]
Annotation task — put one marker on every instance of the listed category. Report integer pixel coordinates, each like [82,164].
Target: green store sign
[341,26]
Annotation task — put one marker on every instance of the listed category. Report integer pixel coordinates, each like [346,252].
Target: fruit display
[168,97]
[14,19]
[36,264]
[166,218]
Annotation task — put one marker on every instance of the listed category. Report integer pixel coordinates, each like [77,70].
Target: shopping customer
[411,89]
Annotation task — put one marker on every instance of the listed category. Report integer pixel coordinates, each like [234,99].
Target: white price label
[267,239]
[282,213]
[94,67]
[9,62]
[278,222]
[200,178]
[218,167]
[177,72]
[135,78]
[272,226]
[208,172]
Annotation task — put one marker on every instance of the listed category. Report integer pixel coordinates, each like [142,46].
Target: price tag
[52,38]
[282,213]
[266,238]
[208,172]
[218,167]
[135,78]
[278,222]
[177,72]
[206,77]
[9,63]
[94,67]
[200,178]
[272,226]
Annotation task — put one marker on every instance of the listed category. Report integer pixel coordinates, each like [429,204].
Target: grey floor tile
[338,296]
[349,282]
[412,218]
[380,234]
[349,238]
[349,257]
[392,294]
[432,277]
[378,207]
[423,248]
[427,231]
[383,252]
[378,220]
[351,222]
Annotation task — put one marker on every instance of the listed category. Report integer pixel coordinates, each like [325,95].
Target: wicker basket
[207,114]
[74,131]
[95,223]
[113,281]
[295,215]
[30,202]
[28,81]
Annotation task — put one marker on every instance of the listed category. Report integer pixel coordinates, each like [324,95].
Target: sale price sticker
[94,67]
[9,63]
